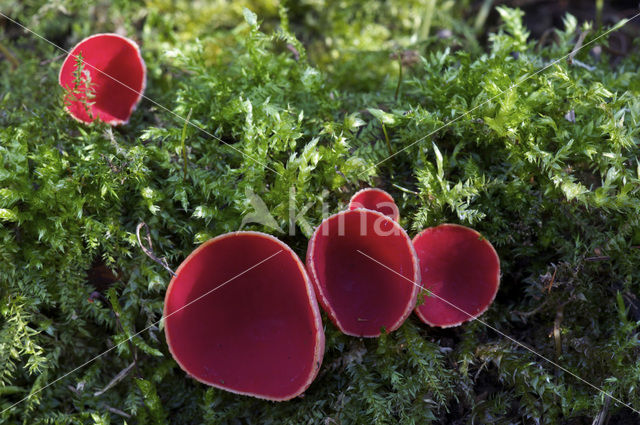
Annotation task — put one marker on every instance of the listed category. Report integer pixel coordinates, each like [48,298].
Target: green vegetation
[315,95]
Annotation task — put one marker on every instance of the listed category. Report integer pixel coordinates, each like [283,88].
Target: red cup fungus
[459,266]
[112,81]
[376,200]
[360,295]
[260,333]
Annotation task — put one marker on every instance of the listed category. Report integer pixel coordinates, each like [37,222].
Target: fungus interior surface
[260,332]
[114,101]
[460,266]
[376,200]
[360,295]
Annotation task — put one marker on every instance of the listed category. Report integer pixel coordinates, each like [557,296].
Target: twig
[577,47]
[117,411]
[119,377]
[598,258]
[601,419]
[53,59]
[583,65]
[553,279]
[292,49]
[106,406]
[10,57]
[340,173]
[149,251]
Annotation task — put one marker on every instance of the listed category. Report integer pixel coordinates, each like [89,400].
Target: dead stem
[149,251]
[10,57]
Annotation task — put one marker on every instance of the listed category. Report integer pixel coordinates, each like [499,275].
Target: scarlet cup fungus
[377,200]
[260,333]
[360,295]
[460,266]
[113,79]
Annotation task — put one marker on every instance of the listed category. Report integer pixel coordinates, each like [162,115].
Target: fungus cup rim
[395,217]
[140,94]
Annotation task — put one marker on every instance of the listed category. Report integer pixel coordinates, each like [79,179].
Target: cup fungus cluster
[241,312]
[104,76]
